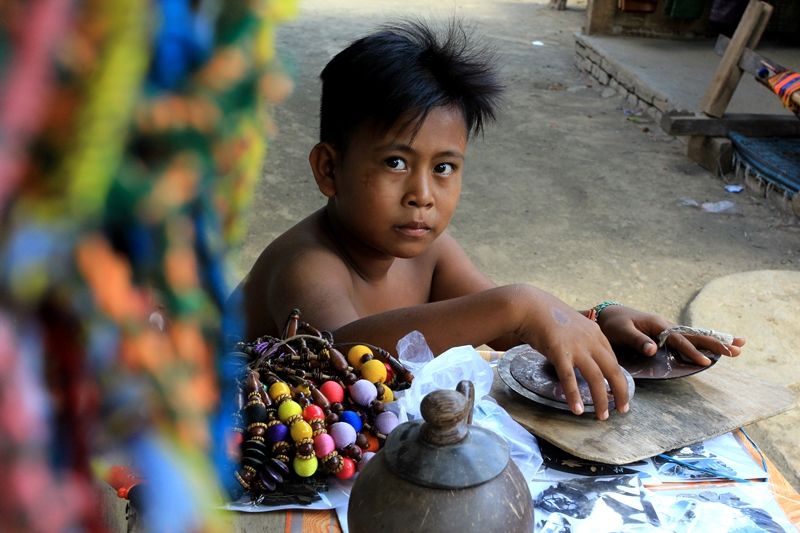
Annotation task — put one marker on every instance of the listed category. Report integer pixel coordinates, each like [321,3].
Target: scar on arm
[560,316]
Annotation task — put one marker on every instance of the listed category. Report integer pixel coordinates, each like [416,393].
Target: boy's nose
[419,193]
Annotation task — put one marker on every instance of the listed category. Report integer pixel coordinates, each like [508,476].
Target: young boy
[376,262]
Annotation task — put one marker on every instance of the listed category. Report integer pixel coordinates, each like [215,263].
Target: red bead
[389,373]
[332,391]
[313,412]
[348,468]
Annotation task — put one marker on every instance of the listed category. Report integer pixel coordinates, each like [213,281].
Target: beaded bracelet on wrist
[594,313]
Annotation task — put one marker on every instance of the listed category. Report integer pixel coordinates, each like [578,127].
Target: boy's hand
[573,341]
[629,327]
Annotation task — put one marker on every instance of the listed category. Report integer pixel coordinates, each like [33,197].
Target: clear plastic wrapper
[721,457]
[744,507]
[594,505]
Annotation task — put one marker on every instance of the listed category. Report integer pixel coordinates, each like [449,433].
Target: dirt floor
[568,190]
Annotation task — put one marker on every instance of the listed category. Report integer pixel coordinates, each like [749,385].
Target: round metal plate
[528,373]
[665,364]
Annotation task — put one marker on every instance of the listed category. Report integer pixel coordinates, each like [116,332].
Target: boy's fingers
[616,381]
[640,342]
[566,377]
[687,349]
[636,336]
[597,385]
[709,343]
[736,346]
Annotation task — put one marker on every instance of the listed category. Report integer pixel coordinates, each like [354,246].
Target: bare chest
[404,288]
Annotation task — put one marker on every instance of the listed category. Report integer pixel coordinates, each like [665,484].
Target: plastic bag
[522,444]
[444,372]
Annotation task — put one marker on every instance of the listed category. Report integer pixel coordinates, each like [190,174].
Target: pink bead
[386,422]
[363,392]
[323,445]
[332,391]
[343,434]
[348,468]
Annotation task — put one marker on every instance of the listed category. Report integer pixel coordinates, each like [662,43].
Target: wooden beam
[753,125]
[600,16]
[711,153]
[726,78]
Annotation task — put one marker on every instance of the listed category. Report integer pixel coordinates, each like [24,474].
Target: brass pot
[441,475]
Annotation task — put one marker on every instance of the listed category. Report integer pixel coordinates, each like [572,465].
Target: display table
[786,497]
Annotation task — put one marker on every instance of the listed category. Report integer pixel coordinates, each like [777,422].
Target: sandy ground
[565,191]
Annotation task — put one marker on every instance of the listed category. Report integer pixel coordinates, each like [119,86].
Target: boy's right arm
[568,339]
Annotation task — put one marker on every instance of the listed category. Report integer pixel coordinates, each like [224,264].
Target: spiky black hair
[401,72]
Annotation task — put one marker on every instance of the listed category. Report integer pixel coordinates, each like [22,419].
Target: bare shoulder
[298,269]
[454,272]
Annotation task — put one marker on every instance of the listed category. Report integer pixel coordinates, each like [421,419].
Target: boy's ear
[324,159]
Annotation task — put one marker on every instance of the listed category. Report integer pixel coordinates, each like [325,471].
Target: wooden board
[664,415]
[752,125]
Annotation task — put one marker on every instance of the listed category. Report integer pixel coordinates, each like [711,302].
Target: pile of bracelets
[307,411]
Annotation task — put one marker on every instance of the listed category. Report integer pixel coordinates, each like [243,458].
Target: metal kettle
[441,475]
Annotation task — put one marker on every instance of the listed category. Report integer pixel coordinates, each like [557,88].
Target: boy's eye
[396,163]
[444,169]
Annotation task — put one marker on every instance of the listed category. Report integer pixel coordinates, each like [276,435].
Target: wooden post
[600,16]
[727,76]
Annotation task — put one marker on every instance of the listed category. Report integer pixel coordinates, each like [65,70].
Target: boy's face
[395,193]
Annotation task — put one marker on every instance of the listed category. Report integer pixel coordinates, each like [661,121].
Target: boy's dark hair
[404,71]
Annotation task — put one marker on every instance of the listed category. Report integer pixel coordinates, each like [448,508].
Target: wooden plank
[727,76]
[664,415]
[600,16]
[754,125]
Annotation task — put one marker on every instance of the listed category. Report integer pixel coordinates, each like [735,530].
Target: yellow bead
[305,467]
[278,389]
[374,371]
[356,353]
[301,430]
[288,409]
[388,395]
[302,389]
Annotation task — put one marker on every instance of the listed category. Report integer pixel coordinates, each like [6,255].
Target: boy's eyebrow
[400,147]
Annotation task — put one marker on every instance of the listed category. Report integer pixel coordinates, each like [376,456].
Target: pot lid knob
[447,414]
[444,451]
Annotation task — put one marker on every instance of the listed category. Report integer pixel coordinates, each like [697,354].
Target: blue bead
[352,418]
[276,433]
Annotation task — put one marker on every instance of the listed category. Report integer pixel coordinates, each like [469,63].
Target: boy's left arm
[456,275]
[624,326]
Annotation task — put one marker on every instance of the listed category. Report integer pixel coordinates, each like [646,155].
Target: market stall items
[305,411]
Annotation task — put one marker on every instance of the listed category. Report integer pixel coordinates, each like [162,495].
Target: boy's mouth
[414,229]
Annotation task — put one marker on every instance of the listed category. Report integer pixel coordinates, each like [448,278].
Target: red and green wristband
[594,313]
